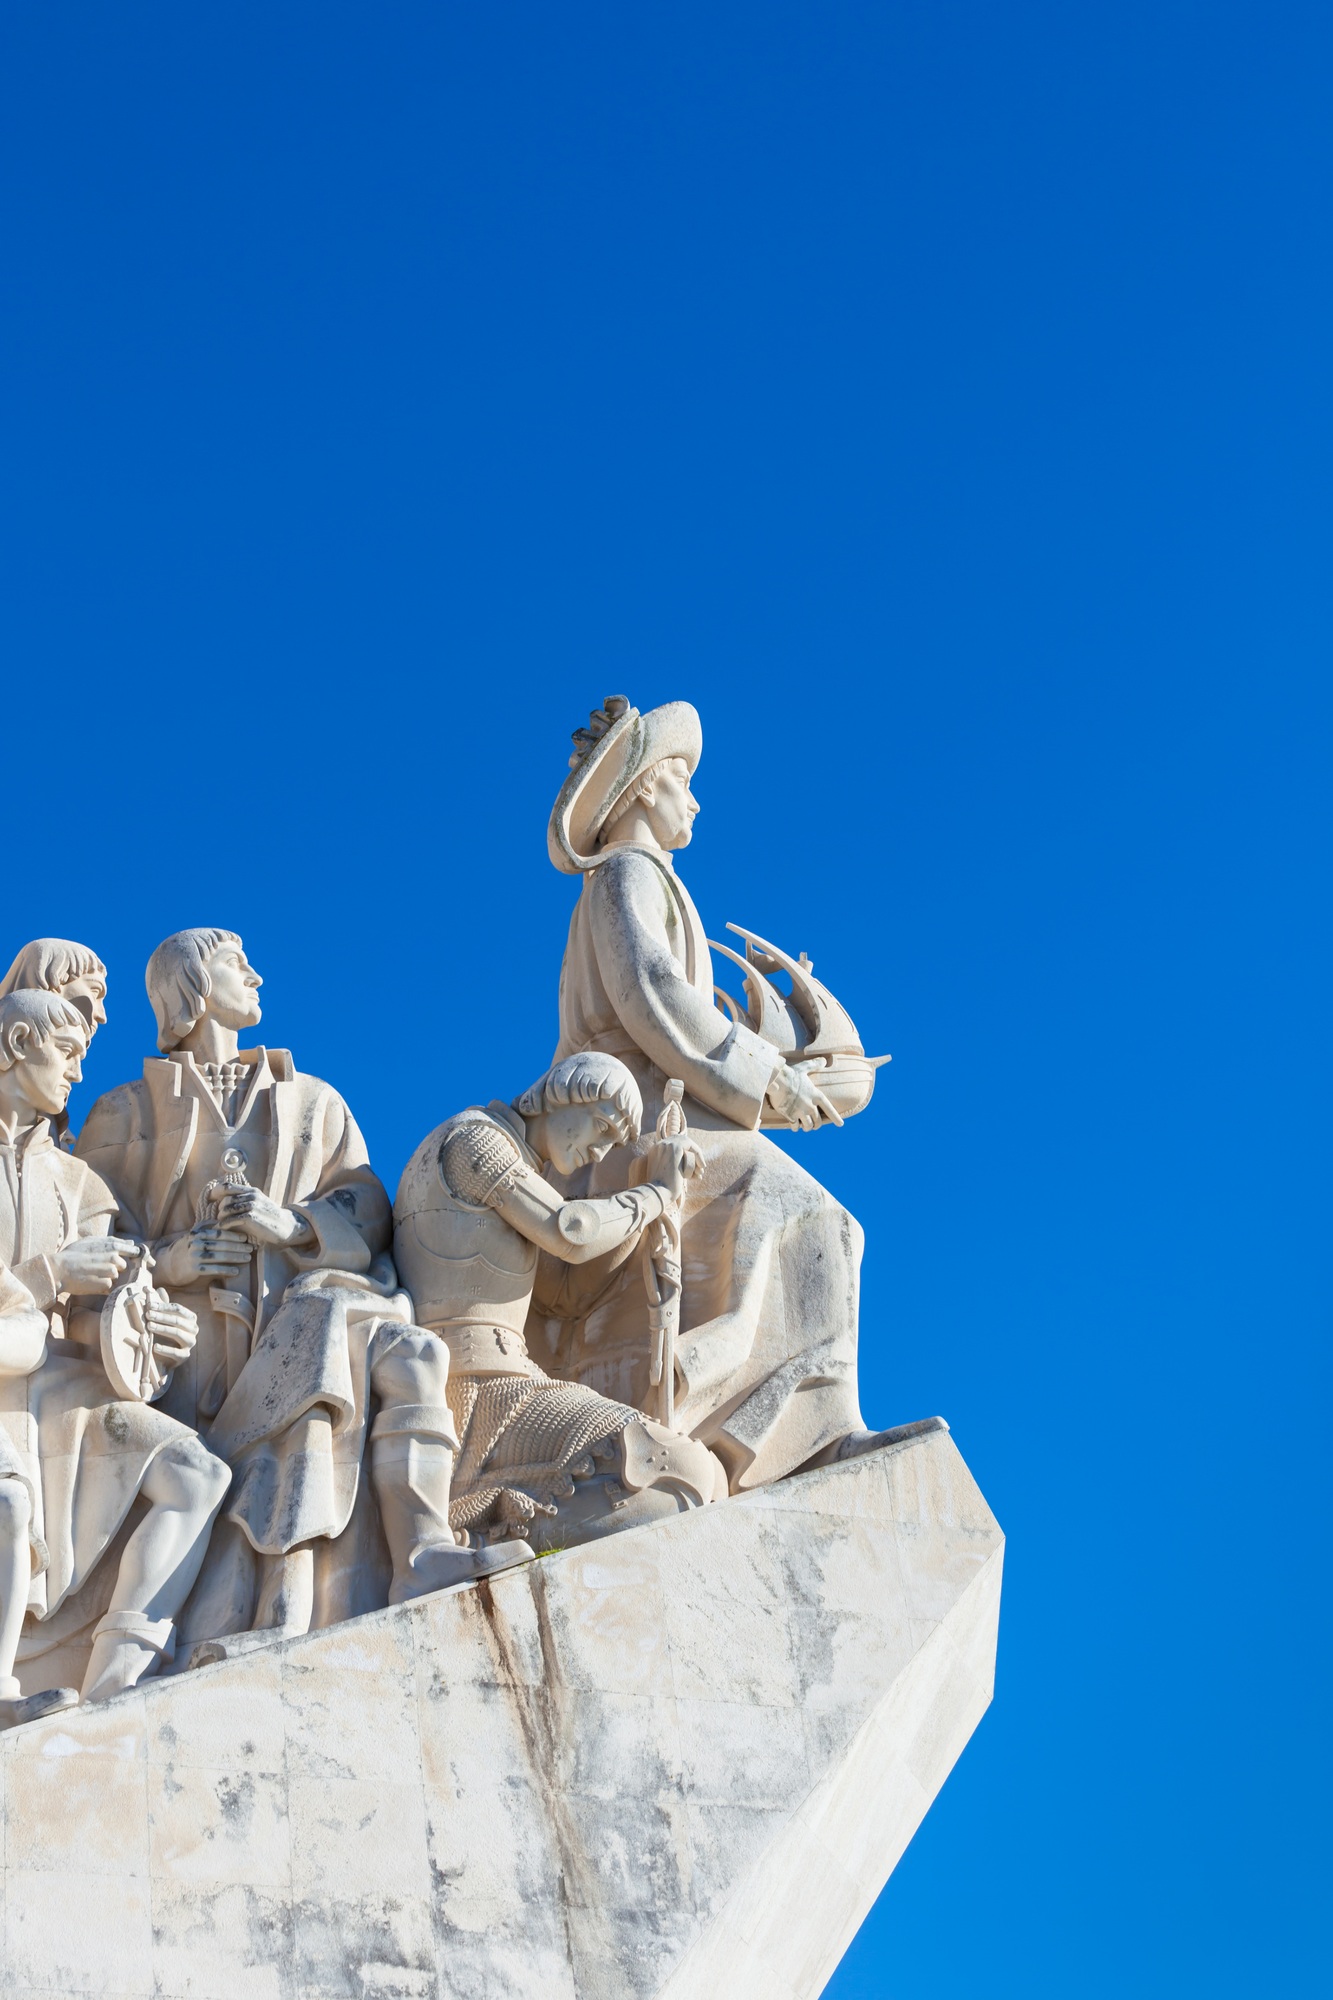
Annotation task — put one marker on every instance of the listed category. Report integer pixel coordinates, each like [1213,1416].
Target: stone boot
[412,1466]
[17,1708]
[286,1605]
[127,1647]
[857,1443]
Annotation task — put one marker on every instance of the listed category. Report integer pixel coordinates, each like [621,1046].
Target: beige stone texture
[681,1763]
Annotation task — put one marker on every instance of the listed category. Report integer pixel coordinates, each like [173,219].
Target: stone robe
[294,1426]
[81,1452]
[281,1368]
[766,1357]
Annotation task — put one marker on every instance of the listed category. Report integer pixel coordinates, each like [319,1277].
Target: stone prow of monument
[681,1761]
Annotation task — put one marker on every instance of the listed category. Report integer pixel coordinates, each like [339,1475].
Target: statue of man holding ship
[765,1348]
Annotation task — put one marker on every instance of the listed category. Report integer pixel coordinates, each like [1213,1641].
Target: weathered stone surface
[678,1763]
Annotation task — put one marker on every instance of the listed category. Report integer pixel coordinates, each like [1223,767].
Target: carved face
[233,999]
[670,805]
[577,1133]
[87,993]
[45,1073]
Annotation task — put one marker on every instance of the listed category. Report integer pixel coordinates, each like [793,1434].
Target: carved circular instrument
[127,1345]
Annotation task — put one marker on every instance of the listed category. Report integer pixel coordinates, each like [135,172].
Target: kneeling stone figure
[552,1463]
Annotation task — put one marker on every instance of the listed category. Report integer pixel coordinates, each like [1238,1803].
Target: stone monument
[492,1593]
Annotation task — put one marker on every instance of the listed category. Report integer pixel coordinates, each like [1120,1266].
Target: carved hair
[178,982]
[47,964]
[42,1014]
[587,1078]
[634,793]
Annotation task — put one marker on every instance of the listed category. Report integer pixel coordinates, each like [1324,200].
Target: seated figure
[74,1454]
[552,1462]
[252,1184]
[765,1360]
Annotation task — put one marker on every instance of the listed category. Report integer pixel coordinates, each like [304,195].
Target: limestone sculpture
[765,1357]
[55,965]
[719,1303]
[553,1462]
[251,1184]
[676,1764]
[75,1455]
[668,1765]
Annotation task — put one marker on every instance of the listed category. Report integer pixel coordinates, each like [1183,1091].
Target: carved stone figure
[75,1455]
[252,1186]
[476,1226]
[56,965]
[766,1349]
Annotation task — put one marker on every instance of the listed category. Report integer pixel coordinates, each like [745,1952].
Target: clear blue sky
[939,396]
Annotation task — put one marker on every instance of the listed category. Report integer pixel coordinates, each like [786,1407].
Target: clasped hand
[797,1098]
[220,1250]
[92,1263]
[260,1219]
[670,1163]
[174,1330]
[203,1255]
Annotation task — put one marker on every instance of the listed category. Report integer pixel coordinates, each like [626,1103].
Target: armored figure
[477,1226]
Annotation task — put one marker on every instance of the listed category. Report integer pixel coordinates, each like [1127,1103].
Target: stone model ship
[290,1705]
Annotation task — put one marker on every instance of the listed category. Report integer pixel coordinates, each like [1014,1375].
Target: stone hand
[174,1330]
[204,1254]
[670,1163]
[797,1098]
[260,1218]
[93,1263]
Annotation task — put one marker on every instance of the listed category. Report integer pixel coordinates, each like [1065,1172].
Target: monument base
[681,1762]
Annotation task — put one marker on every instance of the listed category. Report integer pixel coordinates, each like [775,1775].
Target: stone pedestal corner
[681,1763]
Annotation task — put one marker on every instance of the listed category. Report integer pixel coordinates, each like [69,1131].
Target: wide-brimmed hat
[618,746]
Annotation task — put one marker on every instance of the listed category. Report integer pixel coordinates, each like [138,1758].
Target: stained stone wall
[681,1763]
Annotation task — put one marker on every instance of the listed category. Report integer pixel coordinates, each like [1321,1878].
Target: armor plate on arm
[479,1163]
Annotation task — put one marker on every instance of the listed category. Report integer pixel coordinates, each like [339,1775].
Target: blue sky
[939,397]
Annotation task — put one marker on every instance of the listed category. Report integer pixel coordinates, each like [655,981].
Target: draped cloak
[766,1356]
[279,1382]
[81,1452]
